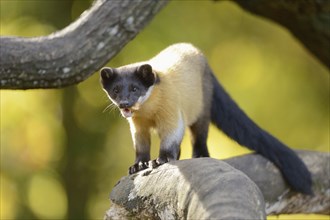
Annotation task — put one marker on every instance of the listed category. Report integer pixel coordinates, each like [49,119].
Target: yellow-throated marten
[176,89]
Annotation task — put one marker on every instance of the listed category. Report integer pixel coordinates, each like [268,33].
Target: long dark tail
[228,117]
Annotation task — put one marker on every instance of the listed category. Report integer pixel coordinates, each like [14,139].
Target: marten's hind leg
[199,129]
[199,132]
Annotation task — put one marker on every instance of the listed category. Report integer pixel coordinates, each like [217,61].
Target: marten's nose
[124,104]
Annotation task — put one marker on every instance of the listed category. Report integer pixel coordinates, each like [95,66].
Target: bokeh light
[62,150]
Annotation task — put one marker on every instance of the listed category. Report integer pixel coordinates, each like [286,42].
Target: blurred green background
[62,150]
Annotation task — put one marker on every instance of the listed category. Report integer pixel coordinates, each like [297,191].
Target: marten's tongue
[126,112]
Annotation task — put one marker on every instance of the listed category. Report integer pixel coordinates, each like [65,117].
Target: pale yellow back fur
[179,95]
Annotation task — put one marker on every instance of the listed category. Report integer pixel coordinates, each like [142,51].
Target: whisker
[109,108]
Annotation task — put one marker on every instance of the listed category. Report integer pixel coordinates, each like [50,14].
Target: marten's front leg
[170,143]
[141,140]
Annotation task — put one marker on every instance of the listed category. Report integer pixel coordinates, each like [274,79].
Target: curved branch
[279,197]
[71,55]
[201,188]
[308,21]
[206,188]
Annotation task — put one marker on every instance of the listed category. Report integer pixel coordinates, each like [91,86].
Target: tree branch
[279,197]
[71,55]
[308,21]
[206,188]
[201,188]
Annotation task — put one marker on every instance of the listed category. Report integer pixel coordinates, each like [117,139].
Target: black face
[125,85]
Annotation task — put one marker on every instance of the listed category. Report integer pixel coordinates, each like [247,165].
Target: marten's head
[128,87]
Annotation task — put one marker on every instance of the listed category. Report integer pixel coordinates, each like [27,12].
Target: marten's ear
[146,75]
[107,73]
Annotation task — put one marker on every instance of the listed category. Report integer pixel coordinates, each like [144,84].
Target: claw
[153,164]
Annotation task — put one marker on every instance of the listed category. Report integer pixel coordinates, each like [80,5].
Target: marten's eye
[134,89]
[116,90]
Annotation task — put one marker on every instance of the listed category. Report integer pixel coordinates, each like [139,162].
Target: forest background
[63,150]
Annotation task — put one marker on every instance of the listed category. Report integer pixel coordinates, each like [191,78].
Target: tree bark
[71,55]
[308,21]
[206,188]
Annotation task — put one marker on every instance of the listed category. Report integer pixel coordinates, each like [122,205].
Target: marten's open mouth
[126,112]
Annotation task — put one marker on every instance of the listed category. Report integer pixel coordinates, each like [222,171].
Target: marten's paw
[138,167]
[157,162]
